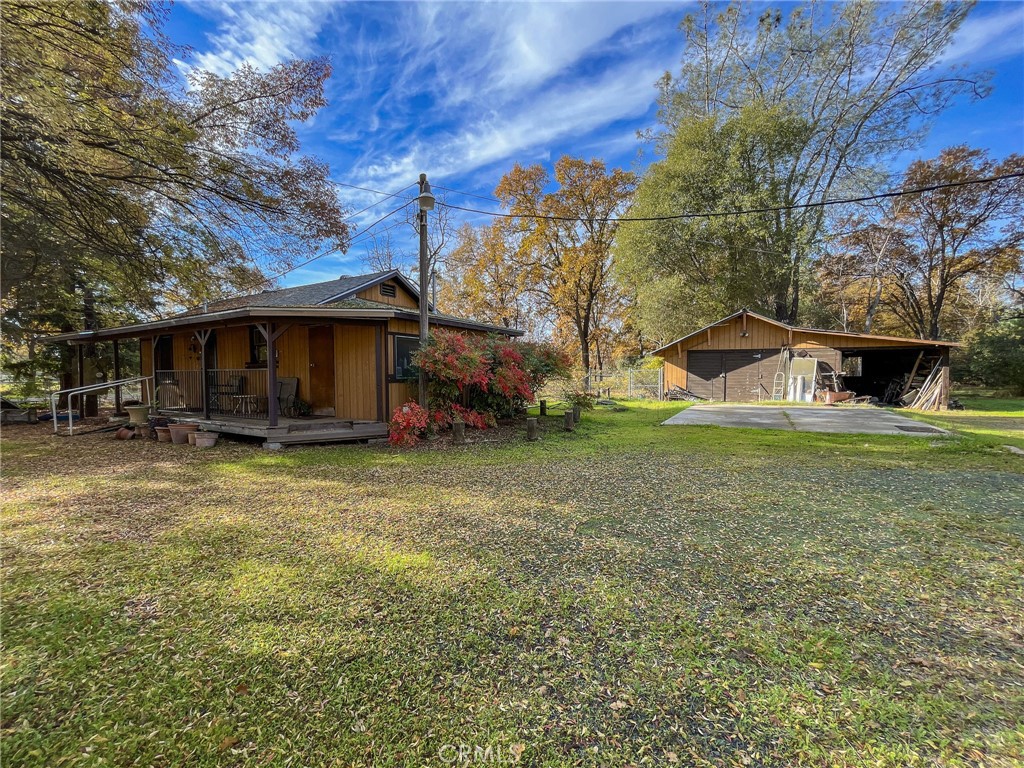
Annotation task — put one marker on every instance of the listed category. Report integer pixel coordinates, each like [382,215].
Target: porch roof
[242,315]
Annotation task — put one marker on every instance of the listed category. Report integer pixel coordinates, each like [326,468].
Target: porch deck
[325,429]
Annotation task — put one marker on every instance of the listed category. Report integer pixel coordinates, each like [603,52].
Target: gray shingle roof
[312,295]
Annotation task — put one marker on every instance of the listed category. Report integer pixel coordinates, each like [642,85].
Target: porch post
[271,375]
[80,348]
[203,336]
[153,341]
[117,377]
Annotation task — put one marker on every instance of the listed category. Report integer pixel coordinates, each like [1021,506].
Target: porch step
[364,431]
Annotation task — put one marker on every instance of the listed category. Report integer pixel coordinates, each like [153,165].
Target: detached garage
[747,357]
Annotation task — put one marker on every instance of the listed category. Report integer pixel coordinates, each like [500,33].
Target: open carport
[839,420]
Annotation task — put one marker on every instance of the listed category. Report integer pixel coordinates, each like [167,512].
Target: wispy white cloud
[525,133]
[503,47]
[261,34]
[988,37]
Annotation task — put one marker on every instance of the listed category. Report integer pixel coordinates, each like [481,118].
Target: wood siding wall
[232,346]
[359,362]
[762,335]
[402,297]
[355,362]
[398,391]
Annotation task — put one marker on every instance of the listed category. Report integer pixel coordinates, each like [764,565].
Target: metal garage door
[734,376]
[703,374]
[742,372]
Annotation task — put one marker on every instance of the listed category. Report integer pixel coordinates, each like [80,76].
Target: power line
[363,233]
[354,241]
[469,194]
[364,210]
[720,214]
[386,195]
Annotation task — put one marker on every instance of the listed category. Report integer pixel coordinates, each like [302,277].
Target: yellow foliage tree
[564,243]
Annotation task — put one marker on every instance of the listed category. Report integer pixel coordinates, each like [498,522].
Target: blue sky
[461,91]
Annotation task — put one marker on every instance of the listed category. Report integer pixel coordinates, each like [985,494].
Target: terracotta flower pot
[179,432]
[163,434]
[206,439]
[192,438]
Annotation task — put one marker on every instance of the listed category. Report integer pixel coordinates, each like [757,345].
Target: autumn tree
[483,278]
[566,240]
[855,269]
[954,236]
[119,182]
[864,79]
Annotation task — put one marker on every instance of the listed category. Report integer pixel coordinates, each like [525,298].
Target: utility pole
[426,201]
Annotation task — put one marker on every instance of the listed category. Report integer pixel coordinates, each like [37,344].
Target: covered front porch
[284,374]
[237,401]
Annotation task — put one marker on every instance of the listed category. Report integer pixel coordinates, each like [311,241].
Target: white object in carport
[803,373]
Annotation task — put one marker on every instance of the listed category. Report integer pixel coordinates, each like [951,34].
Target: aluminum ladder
[779,385]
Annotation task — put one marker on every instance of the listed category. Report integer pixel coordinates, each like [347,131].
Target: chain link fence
[628,383]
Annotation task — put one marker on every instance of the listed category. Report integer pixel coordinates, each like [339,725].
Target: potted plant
[205,439]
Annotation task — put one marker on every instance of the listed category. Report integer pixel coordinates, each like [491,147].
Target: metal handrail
[72,391]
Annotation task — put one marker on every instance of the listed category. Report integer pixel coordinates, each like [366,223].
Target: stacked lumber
[928,397]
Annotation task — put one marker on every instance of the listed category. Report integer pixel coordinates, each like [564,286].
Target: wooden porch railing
[236,392]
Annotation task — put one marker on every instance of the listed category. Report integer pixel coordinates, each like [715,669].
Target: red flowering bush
[408,423]
[474,379]
[471,418]
[451,360]
[488,376]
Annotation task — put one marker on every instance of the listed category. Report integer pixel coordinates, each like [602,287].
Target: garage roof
[901,339]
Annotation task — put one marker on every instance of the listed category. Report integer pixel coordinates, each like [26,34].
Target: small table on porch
[248,405]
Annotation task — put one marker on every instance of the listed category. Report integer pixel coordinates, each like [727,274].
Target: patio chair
[287,394]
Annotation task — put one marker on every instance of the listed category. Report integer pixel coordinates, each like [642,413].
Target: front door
[321,369]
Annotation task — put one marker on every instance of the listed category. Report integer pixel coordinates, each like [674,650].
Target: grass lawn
[626,595]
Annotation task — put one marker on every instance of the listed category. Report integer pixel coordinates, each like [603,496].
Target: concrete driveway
[866,420]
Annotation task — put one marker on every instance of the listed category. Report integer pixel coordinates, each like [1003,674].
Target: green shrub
[994,356]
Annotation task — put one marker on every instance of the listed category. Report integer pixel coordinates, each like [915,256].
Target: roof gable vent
[387,289]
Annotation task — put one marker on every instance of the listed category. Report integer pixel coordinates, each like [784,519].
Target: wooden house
[343,347]
[742,358]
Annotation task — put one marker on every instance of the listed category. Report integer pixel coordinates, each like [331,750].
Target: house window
[405,347]
[387,289]
[257,347]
